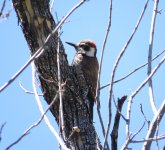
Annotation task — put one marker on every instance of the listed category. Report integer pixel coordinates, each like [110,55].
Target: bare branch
[138,131]
[42,110]
[160,137]
[25,90]
[102,54]
[1,129]
[3,6]
[136,92]
[130,138]
[148,122]
[99,71]
[133,71]
[114,133]
[102,125]
[156,120]
[124,147]
[151,94]
[41,49]
[5,15]
[26,132]
[117,108]
[157,129]
[61,122]
[115,67]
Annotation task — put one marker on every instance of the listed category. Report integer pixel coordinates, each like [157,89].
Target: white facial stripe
[91,52]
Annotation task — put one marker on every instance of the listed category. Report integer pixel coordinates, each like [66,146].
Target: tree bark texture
[37,23]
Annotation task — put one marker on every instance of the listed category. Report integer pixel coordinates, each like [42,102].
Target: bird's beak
[72,44]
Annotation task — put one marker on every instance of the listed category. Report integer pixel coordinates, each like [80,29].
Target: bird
[85,62]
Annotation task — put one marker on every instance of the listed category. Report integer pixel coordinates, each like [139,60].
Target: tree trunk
[37,23]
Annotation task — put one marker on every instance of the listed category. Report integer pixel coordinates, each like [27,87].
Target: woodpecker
[85,59]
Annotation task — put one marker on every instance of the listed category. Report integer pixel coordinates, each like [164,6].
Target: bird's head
[85,47]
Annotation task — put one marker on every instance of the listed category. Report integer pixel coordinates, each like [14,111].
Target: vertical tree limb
[115,67]
[102,55]
[61,109]
[114,133]
[151,40]
[99,71]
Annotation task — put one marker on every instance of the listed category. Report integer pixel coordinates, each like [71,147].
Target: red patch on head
[92,44]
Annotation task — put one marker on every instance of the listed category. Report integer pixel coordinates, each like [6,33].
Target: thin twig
[138,131]
[126,143]
[41,49]
[156,120]
[148,122]
[131,137]
[60,90]
[133,71]
[102,126]
[151,94]
[102,55]
[26,132]
[1,129]
[157,129]
[61,111]
[42,110]
[160,137]
[136,92]
[101,121]
[47,80]
[3,6]
[99,72]
[42,117]
[27,91]
[115,67]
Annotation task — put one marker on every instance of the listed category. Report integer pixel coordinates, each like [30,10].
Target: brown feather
[90,71]
[89,67]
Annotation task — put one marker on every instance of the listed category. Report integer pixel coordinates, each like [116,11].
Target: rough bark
[37,23]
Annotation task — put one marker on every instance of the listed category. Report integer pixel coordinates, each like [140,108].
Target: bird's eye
[85,47]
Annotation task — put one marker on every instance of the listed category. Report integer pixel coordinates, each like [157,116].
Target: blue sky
[20,110]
